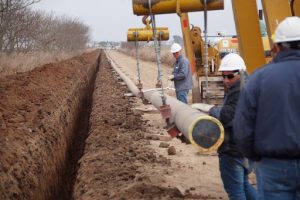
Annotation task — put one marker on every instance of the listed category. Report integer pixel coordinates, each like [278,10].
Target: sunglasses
[230,76]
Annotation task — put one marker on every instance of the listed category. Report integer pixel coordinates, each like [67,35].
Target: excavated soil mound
[39,111]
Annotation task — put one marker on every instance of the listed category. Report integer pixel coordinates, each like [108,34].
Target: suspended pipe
[204,132]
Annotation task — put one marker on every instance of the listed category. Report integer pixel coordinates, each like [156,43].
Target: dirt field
[57,115]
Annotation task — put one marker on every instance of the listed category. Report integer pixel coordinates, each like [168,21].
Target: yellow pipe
[147,34]
[141,7]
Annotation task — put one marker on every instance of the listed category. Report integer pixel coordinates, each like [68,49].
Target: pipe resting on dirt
[206,133]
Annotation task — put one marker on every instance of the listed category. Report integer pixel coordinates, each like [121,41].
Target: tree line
[23,29]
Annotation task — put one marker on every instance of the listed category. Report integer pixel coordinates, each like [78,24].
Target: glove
[215,112]
[171,77]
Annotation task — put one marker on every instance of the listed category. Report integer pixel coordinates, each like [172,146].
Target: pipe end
[207,134]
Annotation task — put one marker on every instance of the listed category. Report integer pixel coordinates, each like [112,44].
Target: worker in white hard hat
[234,167]
[181,75]
[266,124]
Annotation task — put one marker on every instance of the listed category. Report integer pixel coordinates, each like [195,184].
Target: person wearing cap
[181,75]
[266,124]
[234,168]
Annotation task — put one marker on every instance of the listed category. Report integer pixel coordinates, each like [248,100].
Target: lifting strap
[157,53]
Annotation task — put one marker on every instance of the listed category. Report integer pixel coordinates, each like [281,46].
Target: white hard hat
[175,48]
[232,62]
[288,30]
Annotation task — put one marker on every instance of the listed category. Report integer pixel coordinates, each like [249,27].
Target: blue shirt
[267,118]
[182,74]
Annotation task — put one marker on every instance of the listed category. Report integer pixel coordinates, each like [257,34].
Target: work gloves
[215,112]
[171,77]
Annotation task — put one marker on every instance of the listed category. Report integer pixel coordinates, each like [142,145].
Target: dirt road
[189,170]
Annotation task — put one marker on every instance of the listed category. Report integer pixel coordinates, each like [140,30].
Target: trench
[76,147]
[44,121]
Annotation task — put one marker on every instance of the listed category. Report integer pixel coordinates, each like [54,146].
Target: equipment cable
[137,58]
[157,52]
[205,49]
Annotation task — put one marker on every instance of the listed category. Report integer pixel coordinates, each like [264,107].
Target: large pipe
[204,132]
[141,7]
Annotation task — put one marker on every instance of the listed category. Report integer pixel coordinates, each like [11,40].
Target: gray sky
[109,20]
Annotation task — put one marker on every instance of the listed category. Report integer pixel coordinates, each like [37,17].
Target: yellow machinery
[250,44]
[146,34]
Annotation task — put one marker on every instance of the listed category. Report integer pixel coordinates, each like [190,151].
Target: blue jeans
[181,95]
[278,179]
[234,174]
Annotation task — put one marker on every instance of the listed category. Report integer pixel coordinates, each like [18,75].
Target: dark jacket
[182,74]
[268,114]
[225,114]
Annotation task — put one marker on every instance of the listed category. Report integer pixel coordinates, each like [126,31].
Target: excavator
[249,43]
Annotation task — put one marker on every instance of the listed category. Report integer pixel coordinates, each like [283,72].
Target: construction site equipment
[204,132]
[156,35]
[146,33]
[249,43]
[141,7]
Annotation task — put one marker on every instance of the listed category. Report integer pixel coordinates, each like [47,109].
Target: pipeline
[206,133]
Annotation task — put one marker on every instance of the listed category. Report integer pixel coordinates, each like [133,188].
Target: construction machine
[249,42]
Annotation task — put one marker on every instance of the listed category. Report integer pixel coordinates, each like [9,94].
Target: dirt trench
[43,121]
[68,132]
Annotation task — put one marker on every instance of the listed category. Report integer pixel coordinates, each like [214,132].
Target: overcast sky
[109,20]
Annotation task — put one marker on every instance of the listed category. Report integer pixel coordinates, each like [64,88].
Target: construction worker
[268,114]
[234,168]
[181,75]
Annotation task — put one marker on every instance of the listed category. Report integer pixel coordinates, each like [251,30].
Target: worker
[234,168]
[268,114]
[181,75]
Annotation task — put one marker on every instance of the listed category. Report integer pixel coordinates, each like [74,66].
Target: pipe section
[206,133]
[141,7]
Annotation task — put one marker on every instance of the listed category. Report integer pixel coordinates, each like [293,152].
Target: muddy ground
[66,136]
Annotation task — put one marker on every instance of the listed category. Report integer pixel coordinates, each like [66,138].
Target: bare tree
[22,29]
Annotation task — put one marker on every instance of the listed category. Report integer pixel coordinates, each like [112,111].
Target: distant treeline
[23,29]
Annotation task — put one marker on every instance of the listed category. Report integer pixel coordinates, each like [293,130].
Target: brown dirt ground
[123,151]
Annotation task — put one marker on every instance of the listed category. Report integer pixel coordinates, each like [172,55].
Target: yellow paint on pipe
[141,7]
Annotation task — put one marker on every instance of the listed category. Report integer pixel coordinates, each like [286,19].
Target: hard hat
[232,62]
[288,30]
[175,48]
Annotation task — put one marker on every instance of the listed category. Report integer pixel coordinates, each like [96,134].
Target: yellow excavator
[249,43]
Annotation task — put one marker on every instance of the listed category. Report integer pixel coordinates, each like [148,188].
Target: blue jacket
[182,74]
[267,120]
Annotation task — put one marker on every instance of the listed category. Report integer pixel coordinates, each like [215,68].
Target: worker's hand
[171,77]
[215,112]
